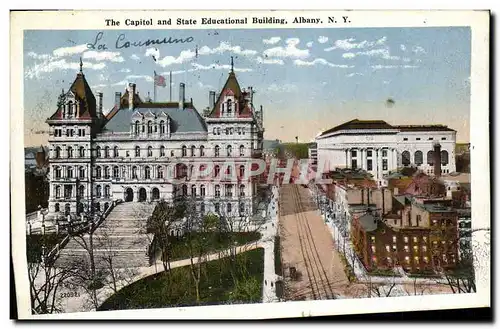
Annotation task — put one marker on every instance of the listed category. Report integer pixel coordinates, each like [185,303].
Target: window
[407,259]
[162,151]
[389,260]
[217,191]
[57,172]
[373,249]
[217,208]
[98,151]
[115,151]
[394,239]
[229,208]
[98,191]
[369,153]
[229,150]
[444,158]
[443,138]
[384,164]
[116,172]
[193,190]
[415,238]
[242,150]
[162,127]
[160,172]
[218,130]
[56,207]
[70,172]
[81,172]
[137,151]
[147,172]
[354,153]
[98,172]
[424,248]
[418,138]
[387,248]
[415,248]
[67,209]
[150,128]
[134,172]
[416,260]
[229,190]
[58,191]
[426,260]
[406,239]
[106,191]
[106,152]
[82,152]
[106,172]
[216,150]
[229,106]
[150,151]
[70,152]
[354,163]
[202,190]
[216,171]
[407,248]
[372,238]
[57,152]
[241,208]
[405,139]
[431,138]
[184,150]
[193,149]
[430,158]
[394,248]
[369,165]
[202,151]
[405,157]
[419,158]
[242,190]
[136,127]
[184,190]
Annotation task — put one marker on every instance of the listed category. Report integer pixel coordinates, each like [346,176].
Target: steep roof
[408,128]
[357,124]
[368,222]
[233,87]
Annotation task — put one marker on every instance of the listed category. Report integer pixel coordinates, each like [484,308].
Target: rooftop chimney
[99,109]
[211,100]
[118,96]
[437,159]
[182,95]
[131,94]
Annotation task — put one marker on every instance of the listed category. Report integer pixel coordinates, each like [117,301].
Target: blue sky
[307,80]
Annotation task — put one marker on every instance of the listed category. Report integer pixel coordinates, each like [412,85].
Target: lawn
[223,241]
[176,288]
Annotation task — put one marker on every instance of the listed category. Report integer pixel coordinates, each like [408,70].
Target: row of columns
[376,157]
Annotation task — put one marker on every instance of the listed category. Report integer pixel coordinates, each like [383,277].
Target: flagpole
[154,88]
[170,85]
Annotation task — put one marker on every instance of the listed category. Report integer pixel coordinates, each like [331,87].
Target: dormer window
[150,128]
[136,129]
[162,127]
[229,107]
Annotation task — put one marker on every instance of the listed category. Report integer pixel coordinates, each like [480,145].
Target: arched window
[134,172]
[81,191]
[137,151]
[136,127]
[405,158]
[106,172]
[106,152]
[229,106]
[216,171]
[193,190]
[98,191]
[162,151]
[242,171]
[202,190]
[70,152]
[150,151]
[150,128]
[444,157]
[160,172]
[115,151]
[58,191]
[184,190]
[57,153]
[419,158]
[217,191]
[229,150]
[106,191]
[56,207]
[430,158]
[116,172]
[57,172]
[67,209]
[242,190]
[216,150]
[218,130]
[162,127]
[193,149]
[70,172]
[215,131]
[184,150]
[242,150]
[98,172]
[202,151]
[98,151]
[147,172]
[229,208]
[81,172]
[82,152]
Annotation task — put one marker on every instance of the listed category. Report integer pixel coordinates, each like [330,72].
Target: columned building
[378,147]
[146,151]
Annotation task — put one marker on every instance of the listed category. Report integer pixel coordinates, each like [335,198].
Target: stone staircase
[121,237]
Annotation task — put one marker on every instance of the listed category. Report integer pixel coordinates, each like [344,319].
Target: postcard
[249,164]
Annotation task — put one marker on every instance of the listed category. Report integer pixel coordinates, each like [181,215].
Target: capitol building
[143,151]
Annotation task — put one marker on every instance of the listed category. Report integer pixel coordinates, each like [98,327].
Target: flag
[160,80]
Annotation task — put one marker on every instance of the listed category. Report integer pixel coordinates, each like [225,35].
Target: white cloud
[381,67]
[386,82]
[348,44]
[406,59]
[125,70]
[402,47]
[321,61]
[349,55]
[418,50]
[217,67]
[381,52]
[152,52]
[68,51]
[350,75]
[38,56]
[290,50]
[226,47]
[135,57]
[309,44]
[270,61]
[322,39]
[98,86]
[204,86]
[137,77]
[271,41]
[184,56]
[49,66]
[285,88]
[103,56]
[120,83]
